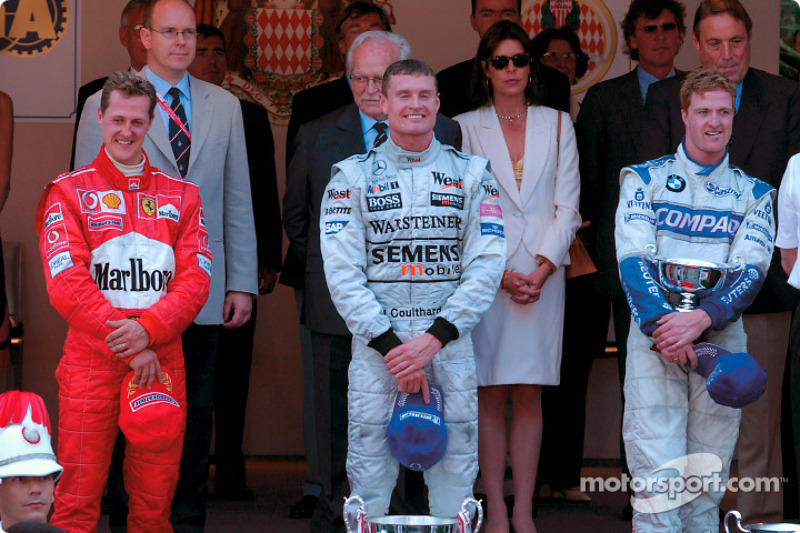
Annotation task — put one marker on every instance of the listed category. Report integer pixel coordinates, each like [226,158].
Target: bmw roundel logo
[676,183]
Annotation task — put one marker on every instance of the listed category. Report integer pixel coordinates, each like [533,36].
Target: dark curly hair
[650,9]
[540,43]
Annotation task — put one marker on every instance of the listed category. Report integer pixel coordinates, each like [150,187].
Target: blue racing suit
[688,211]
[412,242]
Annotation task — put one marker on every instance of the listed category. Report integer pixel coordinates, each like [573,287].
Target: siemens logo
[421,253]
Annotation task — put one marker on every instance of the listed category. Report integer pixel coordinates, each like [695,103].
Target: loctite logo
[135,279]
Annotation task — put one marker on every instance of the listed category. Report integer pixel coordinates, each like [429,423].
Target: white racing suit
[687,211]
[412,242]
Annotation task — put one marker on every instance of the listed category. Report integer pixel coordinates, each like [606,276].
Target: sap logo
[332,228]
[334,195]
[384,203]
[383,187]
[447,182]
[491,191]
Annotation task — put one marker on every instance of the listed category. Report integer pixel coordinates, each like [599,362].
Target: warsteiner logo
[31,27]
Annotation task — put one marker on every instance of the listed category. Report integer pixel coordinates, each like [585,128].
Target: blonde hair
[703,80]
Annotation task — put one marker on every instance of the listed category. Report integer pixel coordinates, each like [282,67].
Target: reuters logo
[31,27]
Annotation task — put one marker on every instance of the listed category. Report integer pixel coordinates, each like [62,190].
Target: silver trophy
[355,518]
[684,277]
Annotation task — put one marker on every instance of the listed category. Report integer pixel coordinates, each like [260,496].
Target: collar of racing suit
[107,167]
[405,159]
[699,169]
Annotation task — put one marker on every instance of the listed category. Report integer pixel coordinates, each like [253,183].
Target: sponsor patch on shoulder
[59,263]
[491,210]
[53,215]
[57,239]
[204,263]
[439,199]
[104,222]
[488,228]
[335,226]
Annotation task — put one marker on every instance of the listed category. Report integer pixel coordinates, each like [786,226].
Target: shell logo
[592,22]
[111,200]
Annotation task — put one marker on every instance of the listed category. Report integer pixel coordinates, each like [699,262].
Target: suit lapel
[495,143]
[540,135]
[158,135]
[748,120]
[631,105]
[202,115]
[351,138]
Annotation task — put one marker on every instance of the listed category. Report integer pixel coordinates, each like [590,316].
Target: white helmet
[25,448]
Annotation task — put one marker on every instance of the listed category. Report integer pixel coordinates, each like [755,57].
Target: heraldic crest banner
[278,47]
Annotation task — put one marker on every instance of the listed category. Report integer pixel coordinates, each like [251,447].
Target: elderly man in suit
[208,147]
[357,17]
[553,87]
[766,132]
[318,145]
[609,135]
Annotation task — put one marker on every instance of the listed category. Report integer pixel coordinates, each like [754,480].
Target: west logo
[446,182]
[491,191]
[139,279]
[334,195]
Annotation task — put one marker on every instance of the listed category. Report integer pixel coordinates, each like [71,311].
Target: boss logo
[384,203]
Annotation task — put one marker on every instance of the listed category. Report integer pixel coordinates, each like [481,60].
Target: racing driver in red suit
[127,264]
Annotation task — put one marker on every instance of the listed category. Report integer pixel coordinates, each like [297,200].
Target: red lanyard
[173,116]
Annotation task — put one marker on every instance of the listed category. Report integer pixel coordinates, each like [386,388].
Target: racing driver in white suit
[690,205]
[413,247]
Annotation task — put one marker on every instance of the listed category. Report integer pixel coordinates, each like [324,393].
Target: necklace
[512,118]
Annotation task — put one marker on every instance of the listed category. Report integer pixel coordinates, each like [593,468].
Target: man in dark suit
[553,87]
[309,104]
[609,135]
[766,132]
[232,380]
[129,25]
[318,145]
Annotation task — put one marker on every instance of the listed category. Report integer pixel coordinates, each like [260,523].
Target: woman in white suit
[518,341]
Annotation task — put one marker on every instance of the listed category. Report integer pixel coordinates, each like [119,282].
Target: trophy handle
[738,517]
[465,517]
[354,519]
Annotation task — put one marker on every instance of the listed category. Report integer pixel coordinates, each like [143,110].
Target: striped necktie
[177,136]
[381,128]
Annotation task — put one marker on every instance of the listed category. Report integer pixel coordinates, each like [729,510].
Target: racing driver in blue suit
[690,205]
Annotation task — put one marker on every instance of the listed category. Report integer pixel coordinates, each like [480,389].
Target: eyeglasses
[501,62]
[652,28]
[564,56]
[171,34]
[362,81]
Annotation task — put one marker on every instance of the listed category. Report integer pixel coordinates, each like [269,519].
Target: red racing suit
[117,247]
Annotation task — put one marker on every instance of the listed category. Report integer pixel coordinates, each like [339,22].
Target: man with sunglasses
[766,133]
[609,135]
[453,82]
[209,149]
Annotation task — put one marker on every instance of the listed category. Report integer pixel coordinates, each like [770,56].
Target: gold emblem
[148,206]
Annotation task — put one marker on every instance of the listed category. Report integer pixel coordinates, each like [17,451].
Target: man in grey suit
[766,133]
[318,145]
[609,135]
[217,162]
